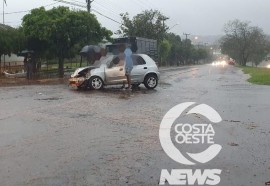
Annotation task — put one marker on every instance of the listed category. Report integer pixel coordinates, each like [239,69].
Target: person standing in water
[128,65]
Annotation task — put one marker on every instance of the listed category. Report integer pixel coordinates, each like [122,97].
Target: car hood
[78,70]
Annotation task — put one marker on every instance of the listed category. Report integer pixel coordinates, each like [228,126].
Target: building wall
[12,60]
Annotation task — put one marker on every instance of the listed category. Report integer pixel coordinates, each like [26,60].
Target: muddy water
[55,135]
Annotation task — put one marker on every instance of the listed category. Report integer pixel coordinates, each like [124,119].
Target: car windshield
[106,59]
[103,60]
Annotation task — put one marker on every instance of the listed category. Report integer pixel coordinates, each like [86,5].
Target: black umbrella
[90,50]
[25,52]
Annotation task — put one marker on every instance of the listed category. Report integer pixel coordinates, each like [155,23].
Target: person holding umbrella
[29,66]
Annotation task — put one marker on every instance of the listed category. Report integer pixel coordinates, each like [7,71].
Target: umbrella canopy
[90,50]
[25,52]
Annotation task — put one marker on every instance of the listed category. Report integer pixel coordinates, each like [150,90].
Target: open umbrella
[90,50]
[25,52]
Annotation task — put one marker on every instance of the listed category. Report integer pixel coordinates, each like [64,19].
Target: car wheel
[96,83]
[151,81]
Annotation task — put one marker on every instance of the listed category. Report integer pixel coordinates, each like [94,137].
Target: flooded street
[55,135]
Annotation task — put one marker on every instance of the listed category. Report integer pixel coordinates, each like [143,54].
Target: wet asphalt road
[54,135]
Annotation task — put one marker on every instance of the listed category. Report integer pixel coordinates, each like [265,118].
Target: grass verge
[260,76]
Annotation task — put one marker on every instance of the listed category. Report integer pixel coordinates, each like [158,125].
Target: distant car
[231,62]
[110,71]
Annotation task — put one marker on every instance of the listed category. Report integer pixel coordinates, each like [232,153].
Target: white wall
[13,58]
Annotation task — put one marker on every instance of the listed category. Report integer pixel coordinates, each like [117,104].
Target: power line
[74,4]
[144,3]
[112,4]
[6,13]
[50,4]
[106,16]
[24,11]
[106,9]
[70,3]
[65,2]
[142,8]
[78,2]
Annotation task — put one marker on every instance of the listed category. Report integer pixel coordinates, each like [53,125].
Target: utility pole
[4,57]
[199,44]
[89,5]
[4,11]
[89,11]
[186,35]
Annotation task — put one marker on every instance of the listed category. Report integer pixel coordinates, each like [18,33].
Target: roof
[137,38]
[2,27]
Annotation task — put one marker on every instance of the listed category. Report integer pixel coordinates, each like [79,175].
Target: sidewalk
[5,82]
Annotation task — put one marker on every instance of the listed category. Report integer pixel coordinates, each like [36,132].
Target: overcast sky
[198,17]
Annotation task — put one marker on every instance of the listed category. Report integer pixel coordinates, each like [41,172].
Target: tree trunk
[0,65]
[245,62]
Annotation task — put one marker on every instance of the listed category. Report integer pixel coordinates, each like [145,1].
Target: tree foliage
[58,31]
[149,24]
[164,49]
[9,38]
[198,54]
[244,42]
[152,24]
[176,52]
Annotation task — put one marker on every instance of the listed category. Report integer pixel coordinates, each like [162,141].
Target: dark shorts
[128,70]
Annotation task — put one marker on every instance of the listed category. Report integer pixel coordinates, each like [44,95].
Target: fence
[44,72]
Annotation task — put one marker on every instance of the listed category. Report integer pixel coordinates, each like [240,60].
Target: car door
[139,69]
[114,72]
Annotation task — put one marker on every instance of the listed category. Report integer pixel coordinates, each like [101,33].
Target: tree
[57,31]
[164,50]
[203,53]
[244,43]
[149,24]
[5,40]
[188,48]
[176,52]
[8,36]
[8,41]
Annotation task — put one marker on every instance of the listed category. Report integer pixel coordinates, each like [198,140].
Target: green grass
[260,76]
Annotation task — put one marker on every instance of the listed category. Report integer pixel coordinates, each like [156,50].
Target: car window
[116,61]
[138,60]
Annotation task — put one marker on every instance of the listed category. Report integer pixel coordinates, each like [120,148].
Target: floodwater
[55,135]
